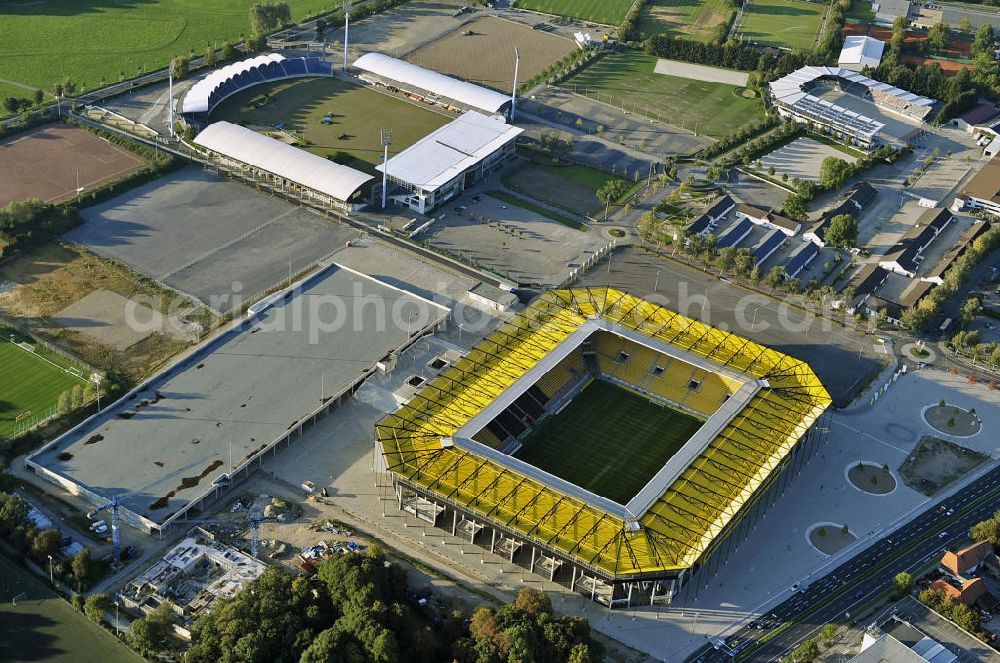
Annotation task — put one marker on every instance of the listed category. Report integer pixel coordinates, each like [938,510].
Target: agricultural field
[32,379]
[356,115]
[44,627]
[608,12]
[791,24]
[608,440]
[481,52]
[712,109]
[44,43]
[572,187]
[692,19]
[50,162]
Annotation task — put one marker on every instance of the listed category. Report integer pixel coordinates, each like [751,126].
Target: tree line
[358,609]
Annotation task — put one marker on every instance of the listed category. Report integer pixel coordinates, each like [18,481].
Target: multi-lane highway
[860,579]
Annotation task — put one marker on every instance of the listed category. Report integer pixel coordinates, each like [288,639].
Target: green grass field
[43,627]
[358,114]
[608,440]
[29,382]
[608,12]
[789,23]
[712,109]
[691,19]
[570,187]
[42,43]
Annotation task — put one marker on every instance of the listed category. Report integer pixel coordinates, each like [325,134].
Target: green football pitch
[608,440]
[628,80]
[30,382]
[44,627]
[789,23]
[608,12]
[355,115]
[95,41]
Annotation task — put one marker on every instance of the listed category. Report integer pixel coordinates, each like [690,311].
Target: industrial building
[189,434]
[447,161]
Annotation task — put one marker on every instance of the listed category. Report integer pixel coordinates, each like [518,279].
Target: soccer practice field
[30,383]
[44,627]
[609,441]
[628,80]
[608,12]
[789,23]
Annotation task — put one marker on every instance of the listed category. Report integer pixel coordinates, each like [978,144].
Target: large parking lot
[209,237]
[802,158]
[517,243]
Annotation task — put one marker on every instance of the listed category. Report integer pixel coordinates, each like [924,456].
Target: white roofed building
[791,95]
[430,86]
[860,52]
[445,162]
[284,167]
[226,81]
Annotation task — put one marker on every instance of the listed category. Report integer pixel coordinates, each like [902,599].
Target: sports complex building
[430,87]
[445,162]
[226,81]
[189,434]
[797,96]
[605,442]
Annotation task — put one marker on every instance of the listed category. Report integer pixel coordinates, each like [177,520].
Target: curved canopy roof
[291,163]
[465,93]
[196,100]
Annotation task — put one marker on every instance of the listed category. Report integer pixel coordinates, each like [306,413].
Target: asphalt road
[862,578]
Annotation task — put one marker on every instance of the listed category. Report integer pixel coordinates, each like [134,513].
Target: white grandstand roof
[446,153]
[196,100]
[860,50]
[273,156]
[465,93]
[789,91]
[789,88]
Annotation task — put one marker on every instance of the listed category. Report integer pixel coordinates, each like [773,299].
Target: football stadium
[601,440]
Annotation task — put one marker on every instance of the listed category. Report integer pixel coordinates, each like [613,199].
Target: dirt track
[45,163]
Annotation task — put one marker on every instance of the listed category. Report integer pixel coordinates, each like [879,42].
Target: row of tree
[359,610]
[920,317]
[37,544]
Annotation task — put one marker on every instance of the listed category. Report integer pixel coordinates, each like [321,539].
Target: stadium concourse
[457,450]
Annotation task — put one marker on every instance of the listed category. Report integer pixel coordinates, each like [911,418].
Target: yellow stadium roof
[697,505]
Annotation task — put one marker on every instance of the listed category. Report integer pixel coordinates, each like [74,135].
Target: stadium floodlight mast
[347,26]
[170,96]
[513,94]
[386,142]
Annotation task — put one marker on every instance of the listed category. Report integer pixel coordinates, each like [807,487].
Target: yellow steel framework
[694,510]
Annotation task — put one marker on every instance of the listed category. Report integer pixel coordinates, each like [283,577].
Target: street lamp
[51,581]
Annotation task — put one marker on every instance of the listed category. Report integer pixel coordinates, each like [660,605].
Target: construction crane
[252,519]
[115,504]
[116,543]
